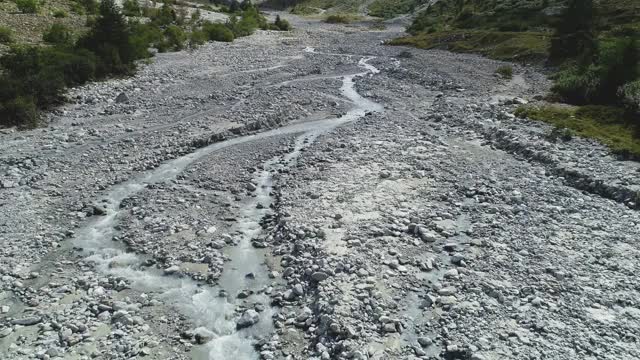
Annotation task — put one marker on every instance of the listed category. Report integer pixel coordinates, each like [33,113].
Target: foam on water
[200,303]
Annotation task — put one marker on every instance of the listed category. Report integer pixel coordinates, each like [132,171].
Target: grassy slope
[28,28]
[377,8]
[505,30]
[512,46]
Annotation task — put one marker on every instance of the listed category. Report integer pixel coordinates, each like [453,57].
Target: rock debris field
[314,195]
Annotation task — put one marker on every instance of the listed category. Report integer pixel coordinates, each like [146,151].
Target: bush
[175,37]
[197,38]
[250,20]
[27,6]
[505,71]
[577,86]
[281,24]
[131,8]
[615,65]
[391,8]
[144,36]
[82,7]
[337,19]
[630,97]
[59,14]
[57,34]
[6,35]
[166,15]
[77,8]
[217,32]
[20,111]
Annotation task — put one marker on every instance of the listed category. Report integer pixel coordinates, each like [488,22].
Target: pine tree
[574,37]
[109,39]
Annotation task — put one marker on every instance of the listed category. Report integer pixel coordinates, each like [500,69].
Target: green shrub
[144,36]
[250,20]
[165,15]
[57,34]
[217,32]
[281,24]
[6,35]
[20,111]
[615,65]
[337,19]
[576,85]
[77,8]
[82,7]
[175,37]
[27,6]
[59,14]
[630,97]
[131,8]
[197,38]
[391,8]
[505,71]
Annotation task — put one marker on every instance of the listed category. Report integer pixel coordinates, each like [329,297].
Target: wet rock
[248,319]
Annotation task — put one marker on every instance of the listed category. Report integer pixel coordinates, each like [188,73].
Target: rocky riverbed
[314,195]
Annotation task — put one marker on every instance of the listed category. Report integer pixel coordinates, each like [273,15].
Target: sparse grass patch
[505,71]
[603,123]
[508,46]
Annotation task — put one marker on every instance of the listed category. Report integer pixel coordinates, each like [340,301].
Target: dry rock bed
[314,195]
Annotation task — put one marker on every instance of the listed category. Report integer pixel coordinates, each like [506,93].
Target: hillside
[29,27]
[508,30]
[385,9]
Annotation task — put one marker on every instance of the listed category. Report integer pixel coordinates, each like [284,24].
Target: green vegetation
[505,71]
[82,7]
[59,14]
[305,10]
[337,19]
[593,46]
[218,32]
[509,46]
[58,34]
[605,124]
[197,38]
[280,24]
[6,35]
[175,38]
[27,6]
[391,8]
[131,8]
[33,78]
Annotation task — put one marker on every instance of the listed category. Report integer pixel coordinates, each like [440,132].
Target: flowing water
[203,304]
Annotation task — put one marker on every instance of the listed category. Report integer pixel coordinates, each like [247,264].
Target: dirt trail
[314,195]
